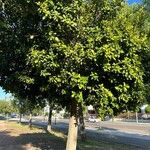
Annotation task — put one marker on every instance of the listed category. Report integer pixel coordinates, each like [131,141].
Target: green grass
[102,145]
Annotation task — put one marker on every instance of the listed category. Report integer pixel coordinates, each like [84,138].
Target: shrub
[147,109]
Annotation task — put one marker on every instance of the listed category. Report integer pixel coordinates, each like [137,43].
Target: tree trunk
[49,125]
[112,116]
[82,133]
[20,116]
[55,120]
[128,114]
[73,128]
[30,121]
[136,115]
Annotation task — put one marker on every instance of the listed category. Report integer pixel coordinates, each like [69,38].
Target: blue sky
[134,1]
[3,94]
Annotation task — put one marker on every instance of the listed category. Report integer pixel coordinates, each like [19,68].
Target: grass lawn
[14,136]
[102,145]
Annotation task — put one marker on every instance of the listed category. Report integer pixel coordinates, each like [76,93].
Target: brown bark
[49,125]
[73,128]
[82,133]
[128,114]
[30,121]
[55,120]
[20,116]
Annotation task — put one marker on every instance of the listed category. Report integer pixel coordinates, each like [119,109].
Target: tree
[87,51]
[82,133]
[93,56]
[19,106]
[144,27]
[118,76]
[147,109]
[64,25]
[146,58]
[6,107]
[21,21]
[25,106]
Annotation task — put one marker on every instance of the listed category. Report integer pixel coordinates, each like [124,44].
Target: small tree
[20,106]
[6,107]
[147,109]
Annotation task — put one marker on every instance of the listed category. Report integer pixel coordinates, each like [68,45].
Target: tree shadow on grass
[104,145]
[38,141]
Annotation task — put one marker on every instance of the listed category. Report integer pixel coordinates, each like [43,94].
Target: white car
[146,116]
[93,119]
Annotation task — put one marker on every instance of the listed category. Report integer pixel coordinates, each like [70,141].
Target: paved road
[126,127]
[126,133]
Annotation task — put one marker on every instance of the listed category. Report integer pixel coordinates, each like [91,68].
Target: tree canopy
[93,54]
[6,107]
[73,52]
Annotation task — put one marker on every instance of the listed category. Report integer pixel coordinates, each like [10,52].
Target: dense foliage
[147,109]
[93,56]
[6,107]
[74,52]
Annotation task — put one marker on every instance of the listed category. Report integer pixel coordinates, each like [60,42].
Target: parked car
[93,119]
[145,116]
[2,118]
[13,116]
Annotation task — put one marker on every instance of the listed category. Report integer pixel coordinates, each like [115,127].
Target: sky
[134,1]
[3,94]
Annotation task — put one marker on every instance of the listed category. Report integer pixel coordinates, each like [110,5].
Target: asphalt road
[126,127]
[125,133]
